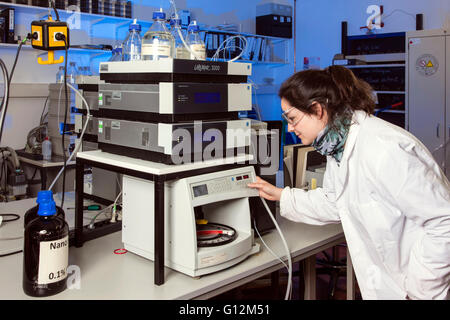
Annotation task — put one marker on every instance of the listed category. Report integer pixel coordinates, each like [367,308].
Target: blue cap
[193,27]
[47,208]
[174,21]
[159,15]
[43,196]
[135,26]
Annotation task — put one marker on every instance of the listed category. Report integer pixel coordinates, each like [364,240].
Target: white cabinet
[447,111]
[428,67]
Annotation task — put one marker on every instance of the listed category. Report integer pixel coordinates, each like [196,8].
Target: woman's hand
[266,190]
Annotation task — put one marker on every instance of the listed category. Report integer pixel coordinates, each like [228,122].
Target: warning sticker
[427,65]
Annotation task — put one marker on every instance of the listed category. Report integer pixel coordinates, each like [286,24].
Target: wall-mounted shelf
[266,50]
[357,66]
[29,47]
[389,92]
[63,14]
[384,69]
[390,111]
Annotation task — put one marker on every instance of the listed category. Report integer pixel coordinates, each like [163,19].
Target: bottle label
[160,50]
[199,50]
[53,260]
[182,53]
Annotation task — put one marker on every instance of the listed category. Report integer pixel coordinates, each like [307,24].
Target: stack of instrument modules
[97,182]
[55,128]
[88,87]
[174,111]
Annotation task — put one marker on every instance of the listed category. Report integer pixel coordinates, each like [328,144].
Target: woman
[380,182]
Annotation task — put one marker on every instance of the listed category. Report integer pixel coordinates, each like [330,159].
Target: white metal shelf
[99,19]
[359,66]
[390,92]
[61,12]
[29,47]
[391,111]
[382,57]
[244,34]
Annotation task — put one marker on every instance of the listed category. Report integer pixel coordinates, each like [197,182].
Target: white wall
[319,22]
[24,114]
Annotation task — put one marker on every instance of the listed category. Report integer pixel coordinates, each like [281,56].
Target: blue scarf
[331,141]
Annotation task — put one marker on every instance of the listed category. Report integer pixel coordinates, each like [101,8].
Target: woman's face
[305,126]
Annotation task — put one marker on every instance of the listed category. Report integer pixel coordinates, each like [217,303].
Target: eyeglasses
[294,123]
[289,120]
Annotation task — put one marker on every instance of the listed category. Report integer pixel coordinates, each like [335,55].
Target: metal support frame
[81,235]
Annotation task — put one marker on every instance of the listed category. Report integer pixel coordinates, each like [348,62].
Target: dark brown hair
[336,88]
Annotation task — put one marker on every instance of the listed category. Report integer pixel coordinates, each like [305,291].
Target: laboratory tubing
[158,42]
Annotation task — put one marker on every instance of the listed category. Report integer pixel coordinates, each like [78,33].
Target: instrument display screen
[207,97]
[200,190]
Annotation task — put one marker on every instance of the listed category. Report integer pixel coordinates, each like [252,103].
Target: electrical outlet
[54,36]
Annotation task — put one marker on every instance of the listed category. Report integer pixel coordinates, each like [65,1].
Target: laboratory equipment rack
[152,171]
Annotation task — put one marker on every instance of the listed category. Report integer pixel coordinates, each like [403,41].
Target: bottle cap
[47,208]
[135,26]
[193,26]
[43,196]
[175,22]
[159,15]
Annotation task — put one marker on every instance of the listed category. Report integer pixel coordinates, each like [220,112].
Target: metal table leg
[43,173]
[351,290]
[159,231]
[79,191]
[310,278]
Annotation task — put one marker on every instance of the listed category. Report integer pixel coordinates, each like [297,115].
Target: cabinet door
[426,91]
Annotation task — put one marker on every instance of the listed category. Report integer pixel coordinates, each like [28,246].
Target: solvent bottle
[158,42]
[195,43]
[45,253]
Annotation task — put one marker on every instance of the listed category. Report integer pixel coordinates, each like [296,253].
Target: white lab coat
[394,205]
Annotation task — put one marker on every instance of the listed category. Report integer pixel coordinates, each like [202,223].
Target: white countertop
[105,275]
[155,167]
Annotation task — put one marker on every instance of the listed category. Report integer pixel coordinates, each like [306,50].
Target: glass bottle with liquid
[60,75]
[133,42]
[45,253]
[195,43]
[71,73]
[158,42]
[181,52]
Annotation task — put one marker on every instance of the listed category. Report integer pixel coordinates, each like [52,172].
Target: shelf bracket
[93,23]
[118,26]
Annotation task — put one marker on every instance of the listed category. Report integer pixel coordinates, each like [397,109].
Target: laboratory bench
[106,275]
[56,162]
